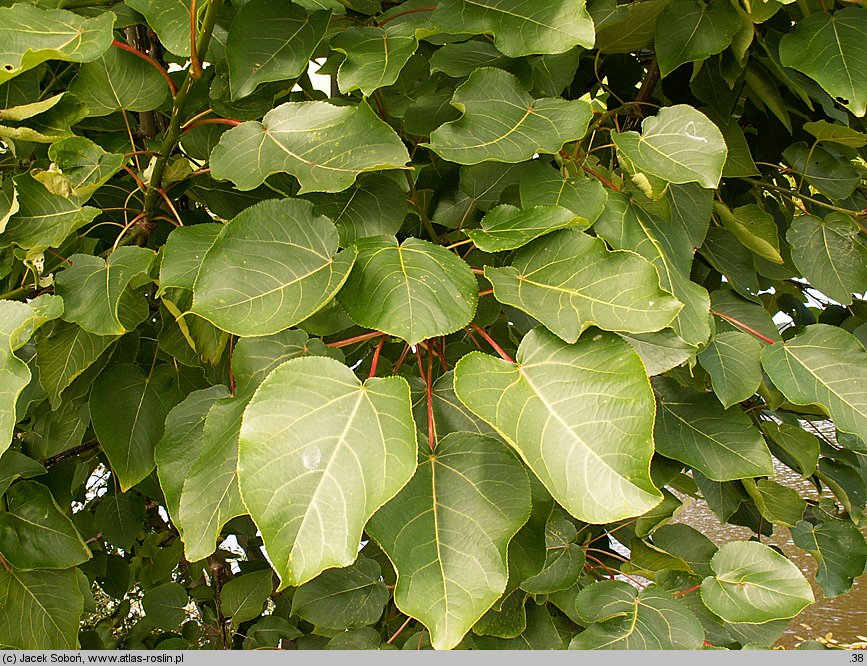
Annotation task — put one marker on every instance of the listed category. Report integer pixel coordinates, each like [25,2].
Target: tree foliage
[436,358]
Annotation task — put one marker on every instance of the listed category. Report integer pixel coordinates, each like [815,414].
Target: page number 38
[857,659]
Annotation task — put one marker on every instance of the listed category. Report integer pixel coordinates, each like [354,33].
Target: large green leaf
[120,519]
[414,290]
[183,252]
[40,610]
[35,533]
[18,321]
[259,277]
[754,584]
[840,549]
[693,428]
[210,495]
[128,409]
[507,227]
[44,219]
[503,123]
[374,57]
[170,19]
[520,28]
[624,28]
[95,290]
[119,80]
[733,361]
[181,444]
[689,30]
[581,417]
[320,452]
[324,146]
[830,254]
[626,226]
[271,40]
[619,617]
[824,366]
[569,281]
[832,49]
[31,35]
[164,605]
[827,171]
[448,530]
[678,145]
[544,186]
[345,598]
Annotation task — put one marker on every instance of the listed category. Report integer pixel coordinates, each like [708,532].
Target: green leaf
[210,494]
[830,254]
[80,167]
[258,278]
[840,550]
[570,281]
[271,40]
[688,30]
[778,504]
[324,146]
[128,409]
[543,186]
[622,618]
[624,28]
[503,123]
[183,253]
[519,28]
[564,559]
[164,605]
[721,443]
[540,634]
[507,227]
[660,351]
[731,308]
[448,530]
[35,533]
[823,366]
[31,35]
[320,452]
[374,57]
[40,610]
[831,49]
[170,19]
[17,323]
[242,598]
[341,599]
[120,518]
[119,80]
[793,442]
[43,219]
[626,226]
[678,144]
[414,290]
[836,133]
[8,202]
[459,59]
[828,172]
[542,406]
[374,206]
[754,584]
[733,361]
[181,444]
[15,465]
[754,227]
[95,290]
[688,544]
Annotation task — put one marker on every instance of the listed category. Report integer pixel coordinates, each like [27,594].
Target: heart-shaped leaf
[569,281]
[507,227]
[448,530]
[374,57]
[320,452]
[579,415]
[415,290]
[754,584]
[678,145]
[260,277]
[324,146]
[41,609]
[824,366]
[501,122]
